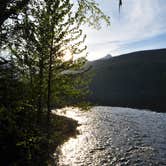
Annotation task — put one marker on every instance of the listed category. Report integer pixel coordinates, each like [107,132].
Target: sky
[141,25]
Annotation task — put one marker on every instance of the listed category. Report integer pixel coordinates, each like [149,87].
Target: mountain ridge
[136,80]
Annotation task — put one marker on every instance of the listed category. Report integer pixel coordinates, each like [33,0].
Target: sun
[67,55]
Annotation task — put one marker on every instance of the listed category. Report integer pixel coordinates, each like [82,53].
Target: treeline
[35,38]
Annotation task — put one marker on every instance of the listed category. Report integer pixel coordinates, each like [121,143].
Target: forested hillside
[132,80]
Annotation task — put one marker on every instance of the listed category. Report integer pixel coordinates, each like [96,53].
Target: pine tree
[38,41]
[41,50]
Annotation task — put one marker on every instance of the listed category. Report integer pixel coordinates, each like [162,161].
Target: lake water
[115,136]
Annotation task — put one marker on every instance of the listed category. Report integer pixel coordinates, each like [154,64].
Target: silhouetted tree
[36,75]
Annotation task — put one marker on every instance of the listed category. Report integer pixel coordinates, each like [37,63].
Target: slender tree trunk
[49,89]
[31,85]
[49,92]
[49,95]
[40,98]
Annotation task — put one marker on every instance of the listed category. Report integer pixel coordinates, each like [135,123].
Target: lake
[115,136]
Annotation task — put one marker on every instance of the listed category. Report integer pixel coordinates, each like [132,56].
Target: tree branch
[6,13]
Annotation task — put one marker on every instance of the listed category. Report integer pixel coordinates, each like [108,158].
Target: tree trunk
[49,80]
[40,98]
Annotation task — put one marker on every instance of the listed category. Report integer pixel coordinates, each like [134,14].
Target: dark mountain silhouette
[136,80]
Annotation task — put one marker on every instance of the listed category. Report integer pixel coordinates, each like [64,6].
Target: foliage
[35,76]
[24,142]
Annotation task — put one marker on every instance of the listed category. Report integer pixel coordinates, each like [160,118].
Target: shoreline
[64,129]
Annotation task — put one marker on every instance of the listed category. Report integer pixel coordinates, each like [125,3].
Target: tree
[10,9]
[38,42]
[87,10]
[43,51]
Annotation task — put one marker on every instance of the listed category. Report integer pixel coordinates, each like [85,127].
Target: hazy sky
[141,25]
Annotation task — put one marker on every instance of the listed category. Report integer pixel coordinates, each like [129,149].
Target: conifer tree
[39,38]
[41,50]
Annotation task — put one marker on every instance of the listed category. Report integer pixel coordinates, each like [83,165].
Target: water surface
[115,136]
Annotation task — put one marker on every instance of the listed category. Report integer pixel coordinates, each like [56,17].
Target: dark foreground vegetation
[25,142]
[135,80]
[35,37]
[35,77]
[26,135]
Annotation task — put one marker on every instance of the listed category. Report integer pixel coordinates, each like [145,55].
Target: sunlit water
[116,136]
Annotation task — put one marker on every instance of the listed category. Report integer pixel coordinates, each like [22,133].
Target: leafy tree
[11,8]
[43,52]
[37,76]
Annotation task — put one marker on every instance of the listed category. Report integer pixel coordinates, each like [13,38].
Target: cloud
[139,20]
[142,19]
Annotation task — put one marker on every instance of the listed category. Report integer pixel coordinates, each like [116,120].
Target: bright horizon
[141,25]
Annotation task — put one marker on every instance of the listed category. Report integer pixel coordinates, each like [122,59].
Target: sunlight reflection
[68,150]
[113,136]
[71,112]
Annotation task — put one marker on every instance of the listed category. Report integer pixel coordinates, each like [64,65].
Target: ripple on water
[115,136]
